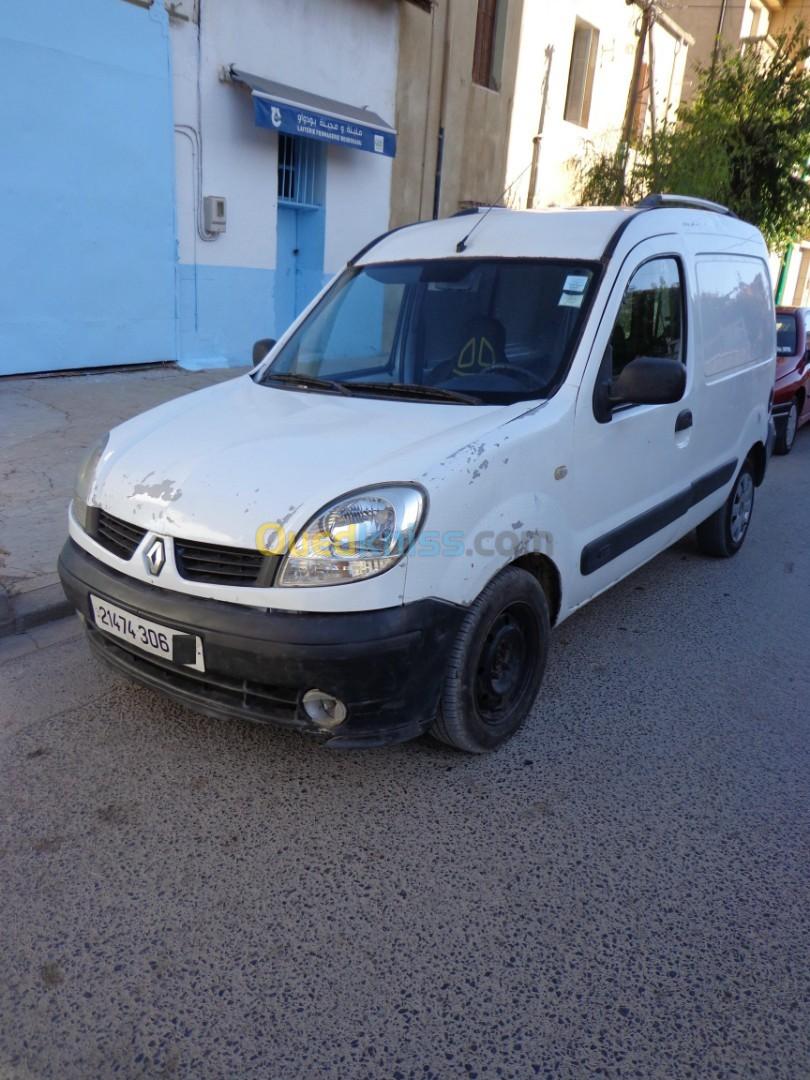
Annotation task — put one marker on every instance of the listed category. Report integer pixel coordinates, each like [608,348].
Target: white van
[479,425]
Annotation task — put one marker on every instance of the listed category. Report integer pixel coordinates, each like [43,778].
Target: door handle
[684,420]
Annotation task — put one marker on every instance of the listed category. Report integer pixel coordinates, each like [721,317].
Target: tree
[743,141]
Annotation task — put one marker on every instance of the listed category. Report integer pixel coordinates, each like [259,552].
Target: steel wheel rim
[504,665]
[792,424]
[741,506]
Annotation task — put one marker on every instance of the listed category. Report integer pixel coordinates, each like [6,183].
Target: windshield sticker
[575,283]
[569,299]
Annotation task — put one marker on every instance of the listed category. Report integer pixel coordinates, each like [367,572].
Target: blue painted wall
[222,311]
[87,258]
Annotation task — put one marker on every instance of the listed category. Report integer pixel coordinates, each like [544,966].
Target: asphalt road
[622,891]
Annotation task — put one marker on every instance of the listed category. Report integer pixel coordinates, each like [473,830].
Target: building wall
[435,90]
[545,53]
[742,19]
[702,21]
[787,14]
[477,120]
[343,49]
[796,284]
[88,252]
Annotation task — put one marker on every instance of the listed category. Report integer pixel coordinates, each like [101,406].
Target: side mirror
[262,348]
[649,380]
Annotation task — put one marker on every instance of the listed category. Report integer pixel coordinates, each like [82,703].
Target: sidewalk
[46,424]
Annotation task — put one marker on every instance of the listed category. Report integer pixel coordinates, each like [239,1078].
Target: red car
[791,395]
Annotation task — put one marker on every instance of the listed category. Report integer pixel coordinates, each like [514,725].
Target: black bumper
[774,424]
[386,666]
[779,415]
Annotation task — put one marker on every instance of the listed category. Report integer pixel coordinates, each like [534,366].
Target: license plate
[169,644]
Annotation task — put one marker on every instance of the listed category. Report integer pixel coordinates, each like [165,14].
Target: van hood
[217,464]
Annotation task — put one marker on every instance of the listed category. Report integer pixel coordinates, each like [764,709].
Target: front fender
[489,505]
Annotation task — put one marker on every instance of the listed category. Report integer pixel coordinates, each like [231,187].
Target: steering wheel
[521,373]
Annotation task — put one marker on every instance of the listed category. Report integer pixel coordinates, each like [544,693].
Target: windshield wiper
[416,390]
[412,390]
[310,382]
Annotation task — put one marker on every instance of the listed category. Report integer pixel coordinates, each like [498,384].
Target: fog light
[324,709]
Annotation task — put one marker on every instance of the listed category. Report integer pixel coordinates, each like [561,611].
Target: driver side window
[650,319]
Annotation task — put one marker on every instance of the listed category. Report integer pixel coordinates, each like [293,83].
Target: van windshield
[785,334]
[488,331]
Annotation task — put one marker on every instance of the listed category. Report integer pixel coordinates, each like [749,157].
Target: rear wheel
[723,534]
[496,664]
[787,437]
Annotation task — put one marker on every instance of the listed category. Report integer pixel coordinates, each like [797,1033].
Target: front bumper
[386,666]
[784,395]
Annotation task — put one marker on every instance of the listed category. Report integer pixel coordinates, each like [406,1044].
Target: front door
[633,472]
[300,227]
[286,266]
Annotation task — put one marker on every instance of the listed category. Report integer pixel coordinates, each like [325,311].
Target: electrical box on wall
[214,213]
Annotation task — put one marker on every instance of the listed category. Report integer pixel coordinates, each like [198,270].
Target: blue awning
[297,112]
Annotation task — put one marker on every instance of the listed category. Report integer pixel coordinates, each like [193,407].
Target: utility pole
[651,79]
[647,20]
[632,97]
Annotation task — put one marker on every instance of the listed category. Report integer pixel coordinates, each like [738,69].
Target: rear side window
[650,319]
[786,335]
[737,322]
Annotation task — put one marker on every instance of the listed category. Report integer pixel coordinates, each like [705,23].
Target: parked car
[791,396]
[481,424]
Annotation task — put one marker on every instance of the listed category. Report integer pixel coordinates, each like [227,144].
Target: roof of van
[579,233]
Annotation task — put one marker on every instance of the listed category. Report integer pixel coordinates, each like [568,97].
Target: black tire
[724,533]
[787,436]
[496,664]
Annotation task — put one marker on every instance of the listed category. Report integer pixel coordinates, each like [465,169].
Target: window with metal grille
[581,73]
[300,172]
[489,40]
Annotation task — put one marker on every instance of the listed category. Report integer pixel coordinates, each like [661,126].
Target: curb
[24,612]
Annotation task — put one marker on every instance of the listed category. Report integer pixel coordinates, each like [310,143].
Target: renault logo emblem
[155,557]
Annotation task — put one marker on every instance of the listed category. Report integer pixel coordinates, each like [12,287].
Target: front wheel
[723,533]
[786,438]
[496,664]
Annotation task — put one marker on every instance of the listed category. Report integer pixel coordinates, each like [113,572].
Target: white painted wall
[546,25]
[344,49]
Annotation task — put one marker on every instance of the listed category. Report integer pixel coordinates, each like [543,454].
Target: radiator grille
[222,565]
[212,563]
[119,537]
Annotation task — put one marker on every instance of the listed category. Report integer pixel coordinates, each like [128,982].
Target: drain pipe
[437,183]
[720,24]
[538,138]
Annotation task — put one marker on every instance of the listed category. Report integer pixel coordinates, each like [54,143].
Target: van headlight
[357,536]
[84,481]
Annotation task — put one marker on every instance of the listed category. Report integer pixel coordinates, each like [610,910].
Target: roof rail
[657,201]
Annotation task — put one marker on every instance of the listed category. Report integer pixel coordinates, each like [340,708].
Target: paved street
[623,891]
[46,426]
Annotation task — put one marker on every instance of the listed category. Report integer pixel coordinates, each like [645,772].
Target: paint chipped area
[163,491]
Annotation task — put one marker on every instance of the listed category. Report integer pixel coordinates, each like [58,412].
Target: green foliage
[743,141]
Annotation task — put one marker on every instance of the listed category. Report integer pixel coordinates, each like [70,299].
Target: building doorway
[301,226]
